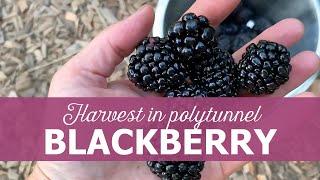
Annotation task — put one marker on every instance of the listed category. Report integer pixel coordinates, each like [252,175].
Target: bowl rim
[158,30]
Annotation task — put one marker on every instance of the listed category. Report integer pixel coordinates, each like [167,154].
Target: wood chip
[47,2]
[2,39]
[38,55]
[315,88]
[3,76]
[23,82]
[3,164]
[11,44]
[4,177]
[262,177]
[12,164]
[139,3]
[87,20]
[13,174]
[76,3]
[267,169]
[108,15]
[44,50]
[249,168]
[295,168]
[23,6]
[12,94]
[28,92]
[71,17]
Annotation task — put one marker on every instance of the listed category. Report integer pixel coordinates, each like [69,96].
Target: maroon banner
[159,128]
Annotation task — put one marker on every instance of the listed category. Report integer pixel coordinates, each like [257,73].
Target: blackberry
[224,42]
[245,35]
[155,67]
[231,37]
[229,29]
[264,67]
[218,74]
[193,36]
[187,90]
[177,170]
[242,25]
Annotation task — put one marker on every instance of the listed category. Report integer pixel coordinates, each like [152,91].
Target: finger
[306,94]
[110,47]
[129,86]
[286,32]
[304,65]
[230,167]
[216,10]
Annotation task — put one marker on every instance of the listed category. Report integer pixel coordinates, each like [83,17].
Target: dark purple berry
[264,67]
[187,90]
[177,170]
[192,37]
[155,67]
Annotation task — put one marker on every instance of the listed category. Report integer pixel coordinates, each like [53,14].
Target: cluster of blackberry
[186,63]
[189,63]
[240,27]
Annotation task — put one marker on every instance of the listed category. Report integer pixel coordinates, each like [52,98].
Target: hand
[85,76]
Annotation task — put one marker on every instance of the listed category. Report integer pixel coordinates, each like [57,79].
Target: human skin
[85,76]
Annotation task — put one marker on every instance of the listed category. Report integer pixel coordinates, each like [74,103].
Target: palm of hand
[85,76]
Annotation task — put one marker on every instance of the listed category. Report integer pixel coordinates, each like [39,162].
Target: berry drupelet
[264,67]
[155,67]
[218,74]
[245,35]
[193,36]
[177,170]
[187,90]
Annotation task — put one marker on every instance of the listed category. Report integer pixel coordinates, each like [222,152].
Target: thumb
[110,47]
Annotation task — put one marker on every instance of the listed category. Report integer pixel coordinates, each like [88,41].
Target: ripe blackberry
[187,90]
[264,67]
[224,42]
[193,36]
[218,74]
[155,67]
[177,170]
[245,35]
[229,28]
